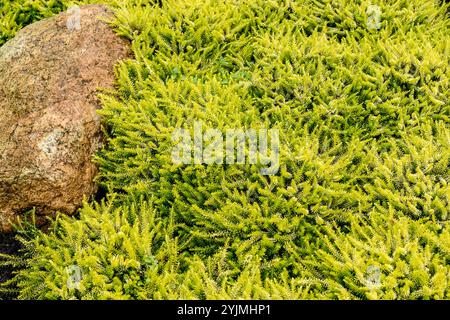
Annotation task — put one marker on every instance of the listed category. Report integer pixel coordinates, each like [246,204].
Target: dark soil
[8,245]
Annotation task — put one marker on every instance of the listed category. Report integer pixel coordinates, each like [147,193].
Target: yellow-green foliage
[413,259]
[364,157]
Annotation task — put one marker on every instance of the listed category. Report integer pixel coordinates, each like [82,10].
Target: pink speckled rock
[49,129]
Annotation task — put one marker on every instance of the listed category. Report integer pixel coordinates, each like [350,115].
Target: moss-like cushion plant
[359,208]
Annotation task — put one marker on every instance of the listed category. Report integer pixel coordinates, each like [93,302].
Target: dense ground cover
[360,206]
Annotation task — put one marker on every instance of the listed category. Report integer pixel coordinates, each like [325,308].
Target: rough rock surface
[49,129]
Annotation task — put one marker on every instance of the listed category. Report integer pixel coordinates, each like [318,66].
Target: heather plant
[16,14]
[359,208]
[383,257]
